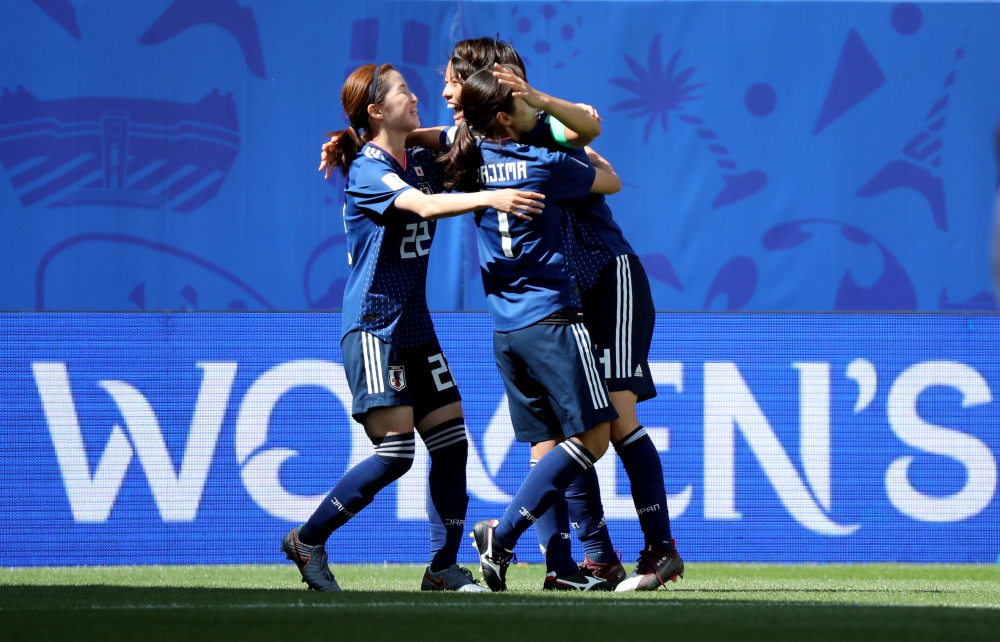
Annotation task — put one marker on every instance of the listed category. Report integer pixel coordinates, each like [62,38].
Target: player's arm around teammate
[541,346]
[619,313]
[472,55]
[397,373]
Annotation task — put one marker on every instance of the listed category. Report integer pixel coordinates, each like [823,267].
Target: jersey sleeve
[447,137]
[376,186]
[548,133]
[569,177]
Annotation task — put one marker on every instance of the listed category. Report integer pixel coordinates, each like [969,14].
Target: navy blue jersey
[388,247]
[593,238]
[523,263]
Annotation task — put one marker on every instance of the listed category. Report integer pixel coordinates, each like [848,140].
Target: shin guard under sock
[358,487]
[552,529]
[546,481]
[642,464]
[586,513]
[447,499]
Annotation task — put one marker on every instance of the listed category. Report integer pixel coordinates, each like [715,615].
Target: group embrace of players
[571,308]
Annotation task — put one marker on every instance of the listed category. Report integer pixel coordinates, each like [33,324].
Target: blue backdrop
[204,437]
[776,156]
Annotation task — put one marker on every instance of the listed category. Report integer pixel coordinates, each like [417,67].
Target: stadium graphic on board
[124,152]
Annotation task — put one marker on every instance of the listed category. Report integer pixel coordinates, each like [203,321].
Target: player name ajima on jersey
[501,172]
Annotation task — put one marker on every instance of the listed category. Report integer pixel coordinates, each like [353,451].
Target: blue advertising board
[157,438]
[162,155]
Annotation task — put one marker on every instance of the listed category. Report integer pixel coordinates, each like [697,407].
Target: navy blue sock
[645,473]
[446,496]
[358,487]
[552,529]
[539,490]
[586,512]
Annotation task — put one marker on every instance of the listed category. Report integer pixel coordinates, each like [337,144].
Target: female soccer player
[601,568]
[562,572]
[542,348]
[612,279]
[398,375]
[619,312]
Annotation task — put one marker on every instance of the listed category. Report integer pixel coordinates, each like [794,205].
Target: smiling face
[452,93]
[398,112]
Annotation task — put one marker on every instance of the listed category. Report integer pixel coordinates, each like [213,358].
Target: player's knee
[448,440]
[396,453]
[596,439]
[599,448]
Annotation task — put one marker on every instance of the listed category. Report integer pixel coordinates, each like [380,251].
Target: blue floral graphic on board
[661,91]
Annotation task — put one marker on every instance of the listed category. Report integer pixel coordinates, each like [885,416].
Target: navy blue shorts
[381,375]
[553,385]
[620,315]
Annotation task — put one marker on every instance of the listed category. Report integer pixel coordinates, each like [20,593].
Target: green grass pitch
[715,602]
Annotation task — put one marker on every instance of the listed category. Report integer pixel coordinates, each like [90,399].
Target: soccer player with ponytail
[397,373]
[619,312]
[542,348]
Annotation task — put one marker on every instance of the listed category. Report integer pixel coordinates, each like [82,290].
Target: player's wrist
[541,101]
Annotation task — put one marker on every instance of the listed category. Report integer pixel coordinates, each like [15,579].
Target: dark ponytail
[483,97]
[462,162]
[359,91]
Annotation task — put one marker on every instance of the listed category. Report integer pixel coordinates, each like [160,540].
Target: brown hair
[354,97]
[483,97]
[474,54]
